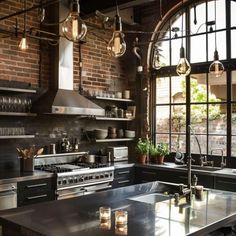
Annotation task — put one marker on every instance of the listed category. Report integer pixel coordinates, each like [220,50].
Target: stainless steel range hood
[61,98]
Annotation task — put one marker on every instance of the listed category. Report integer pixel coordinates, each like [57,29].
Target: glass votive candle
[121,218]
[105,224]
[104,214]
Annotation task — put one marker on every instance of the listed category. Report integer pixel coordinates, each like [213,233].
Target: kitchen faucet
[203,159]
[223,160]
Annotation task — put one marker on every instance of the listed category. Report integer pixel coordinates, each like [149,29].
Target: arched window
[206,102]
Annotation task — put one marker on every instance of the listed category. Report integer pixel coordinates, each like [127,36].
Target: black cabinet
[226,184]
[123,177]
[143,175]
[35,191]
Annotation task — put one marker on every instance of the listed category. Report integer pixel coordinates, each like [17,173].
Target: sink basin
[150,198]
[205,168]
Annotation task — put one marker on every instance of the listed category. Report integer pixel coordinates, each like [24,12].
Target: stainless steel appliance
[75,178]
[8,196]
[118,153]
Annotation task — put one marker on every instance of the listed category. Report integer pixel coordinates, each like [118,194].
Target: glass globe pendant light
[216,68]
[117,46]
[23,45]
[73,28]
[183,67]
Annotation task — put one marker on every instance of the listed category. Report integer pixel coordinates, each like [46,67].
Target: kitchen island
[149,213]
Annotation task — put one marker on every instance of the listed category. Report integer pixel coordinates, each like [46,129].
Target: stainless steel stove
[75,178]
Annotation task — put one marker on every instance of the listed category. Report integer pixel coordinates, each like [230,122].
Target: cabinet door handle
[225,182]
[149,172]
[36,197]
[123,181]
[123,172]
[36,185]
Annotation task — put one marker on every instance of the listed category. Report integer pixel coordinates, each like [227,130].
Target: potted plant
[142,148]
[162,150]
[153,153]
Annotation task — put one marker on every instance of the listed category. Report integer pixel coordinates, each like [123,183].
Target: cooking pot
[89,158]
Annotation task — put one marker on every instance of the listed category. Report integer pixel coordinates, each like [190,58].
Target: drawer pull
[123,172]
[36,197]
[36,185]
[123,181]
[225,182]
[149,173]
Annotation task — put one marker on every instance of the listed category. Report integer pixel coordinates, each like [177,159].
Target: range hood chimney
[61,98]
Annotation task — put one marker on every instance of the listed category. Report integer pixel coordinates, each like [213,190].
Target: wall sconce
[73,28]
[117,46]
[183,67]
[216,68]
[23,45]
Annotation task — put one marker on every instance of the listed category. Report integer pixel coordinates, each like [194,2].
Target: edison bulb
[23,44]
[183,67]
[116,46]
[216,68]
[74,28]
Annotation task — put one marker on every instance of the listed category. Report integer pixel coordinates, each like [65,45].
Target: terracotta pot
[160,160]
[142,159]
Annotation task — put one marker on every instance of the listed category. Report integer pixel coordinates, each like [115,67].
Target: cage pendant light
[23,45]
[183,67]
[216,68]
[117,45]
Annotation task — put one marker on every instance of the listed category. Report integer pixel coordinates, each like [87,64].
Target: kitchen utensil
[89,158]
[100,133]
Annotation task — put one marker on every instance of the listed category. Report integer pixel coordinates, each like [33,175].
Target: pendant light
[216,68]
[183,67]
[73,28]
[23,43]
[117,46]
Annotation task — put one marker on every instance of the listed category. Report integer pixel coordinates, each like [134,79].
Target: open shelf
[113,118]
[19,90]
[112,99]
[16,136]
[113,140]
[2,113]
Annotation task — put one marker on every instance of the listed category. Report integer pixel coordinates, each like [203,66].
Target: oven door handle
[82,191]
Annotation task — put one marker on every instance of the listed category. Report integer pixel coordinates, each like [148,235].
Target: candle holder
[105,224]
[121,230]
[104,214]
[121,218]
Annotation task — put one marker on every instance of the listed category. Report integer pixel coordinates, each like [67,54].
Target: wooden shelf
[17,136]
[17,114]
[19,90]
[113,118]
[113,140]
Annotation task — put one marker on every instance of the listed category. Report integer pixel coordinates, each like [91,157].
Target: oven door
[75,191]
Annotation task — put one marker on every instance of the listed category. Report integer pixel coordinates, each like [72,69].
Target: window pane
[162,90]
[233,122]
[233,10]
[175,51]
[176,22]
[178,119]
[199,115]
[198,54]
[217,88]
[162,138]
[200,17]
[233,39]
[202,139]
[220,13]
[198,88]
[178,88]
[233,146]
[216,142]
[221,45]
[164,53]
[234,85]
[162,119]
[178,143]
[217,118]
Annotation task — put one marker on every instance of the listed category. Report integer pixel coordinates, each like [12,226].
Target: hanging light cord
[215,27]
[117,9]
[24,17]
[182,24]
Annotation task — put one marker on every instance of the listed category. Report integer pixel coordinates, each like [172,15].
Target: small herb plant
[143,146]
[162,149]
